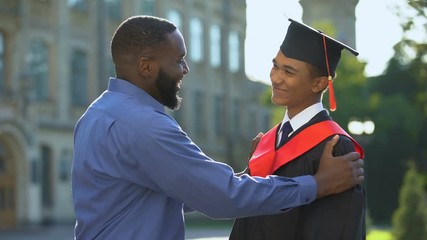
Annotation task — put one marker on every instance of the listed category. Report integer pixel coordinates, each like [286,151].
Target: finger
[256,140]
[360,179]
[259,136]
[357,163]
[361,162]
[354,157]
[329,147]
[358,172]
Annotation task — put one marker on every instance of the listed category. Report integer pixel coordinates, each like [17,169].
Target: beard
[168,88]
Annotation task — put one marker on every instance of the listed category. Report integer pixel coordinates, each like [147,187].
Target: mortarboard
[312,46]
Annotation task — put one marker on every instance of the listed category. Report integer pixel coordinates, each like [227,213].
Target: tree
[398,105]
[410,219]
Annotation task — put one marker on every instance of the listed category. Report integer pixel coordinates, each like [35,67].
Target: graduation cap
[312,46]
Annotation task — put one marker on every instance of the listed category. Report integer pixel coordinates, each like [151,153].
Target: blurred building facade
[55,60]
[342,16]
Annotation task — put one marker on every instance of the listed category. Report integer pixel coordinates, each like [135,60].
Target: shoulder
[343,146]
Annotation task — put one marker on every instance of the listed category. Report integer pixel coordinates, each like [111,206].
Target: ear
[146,67]
[319,84]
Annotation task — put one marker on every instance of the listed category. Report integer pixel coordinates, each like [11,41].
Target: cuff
[308,188]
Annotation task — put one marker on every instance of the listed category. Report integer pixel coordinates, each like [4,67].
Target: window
[219,115]
[236,117]
[2,77]
[233,44]
[114,9]
[175,17]
[38,65]
[200,118]
[215,45]
[65,165]
[46,175]
[2,159]
[78,78]
[35,173]
[196,40]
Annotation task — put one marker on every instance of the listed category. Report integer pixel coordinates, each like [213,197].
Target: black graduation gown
[335,217]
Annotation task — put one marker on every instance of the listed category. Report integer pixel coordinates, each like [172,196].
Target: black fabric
[335,217]
[306,44]
[285,131]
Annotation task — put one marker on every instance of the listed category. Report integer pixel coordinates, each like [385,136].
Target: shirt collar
[303,117]
[120,85]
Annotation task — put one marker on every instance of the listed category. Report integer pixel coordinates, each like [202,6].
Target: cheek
[274,75]
[176,73]
[280,97]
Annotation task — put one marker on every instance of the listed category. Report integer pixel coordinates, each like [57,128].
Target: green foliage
[379,235]
[369,223]
[410,219]
[397,102]
[350,90]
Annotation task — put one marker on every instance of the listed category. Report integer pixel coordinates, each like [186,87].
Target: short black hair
[316,71]
[138,33]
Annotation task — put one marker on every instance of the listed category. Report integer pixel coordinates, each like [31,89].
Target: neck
[293,111]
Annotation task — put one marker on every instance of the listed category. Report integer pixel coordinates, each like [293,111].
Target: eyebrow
[285,67]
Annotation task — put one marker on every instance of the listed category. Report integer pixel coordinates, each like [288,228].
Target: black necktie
[286,130]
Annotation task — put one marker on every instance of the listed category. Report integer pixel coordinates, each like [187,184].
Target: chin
[275,100]
[278,102]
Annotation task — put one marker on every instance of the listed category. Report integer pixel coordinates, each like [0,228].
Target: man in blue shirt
[135,170]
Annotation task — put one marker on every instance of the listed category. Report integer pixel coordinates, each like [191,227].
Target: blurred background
[55,60]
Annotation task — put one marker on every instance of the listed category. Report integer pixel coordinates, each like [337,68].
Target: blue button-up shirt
[134,170]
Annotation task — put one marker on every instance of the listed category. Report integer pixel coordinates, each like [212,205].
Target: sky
[377,30]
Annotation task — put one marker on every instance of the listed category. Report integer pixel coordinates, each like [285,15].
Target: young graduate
[302,70]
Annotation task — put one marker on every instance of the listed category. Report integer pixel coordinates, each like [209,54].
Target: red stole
[266,159]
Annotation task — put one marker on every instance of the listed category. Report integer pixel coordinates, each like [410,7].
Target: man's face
[292,84]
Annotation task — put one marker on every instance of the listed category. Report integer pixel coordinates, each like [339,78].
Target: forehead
[175,44]
[284,61]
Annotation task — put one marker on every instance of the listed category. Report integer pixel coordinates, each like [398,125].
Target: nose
[273,76]
[186,68]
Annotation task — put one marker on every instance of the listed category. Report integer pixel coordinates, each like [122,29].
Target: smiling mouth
[279,89]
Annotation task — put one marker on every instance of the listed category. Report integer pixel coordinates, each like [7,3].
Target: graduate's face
[292,84]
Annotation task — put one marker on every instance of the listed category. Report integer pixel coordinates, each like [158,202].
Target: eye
[289,71]
[275,65]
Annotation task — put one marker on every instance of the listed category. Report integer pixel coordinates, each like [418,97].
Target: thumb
[329,147]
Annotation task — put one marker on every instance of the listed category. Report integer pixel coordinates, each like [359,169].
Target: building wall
[55,61]
[342,16]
